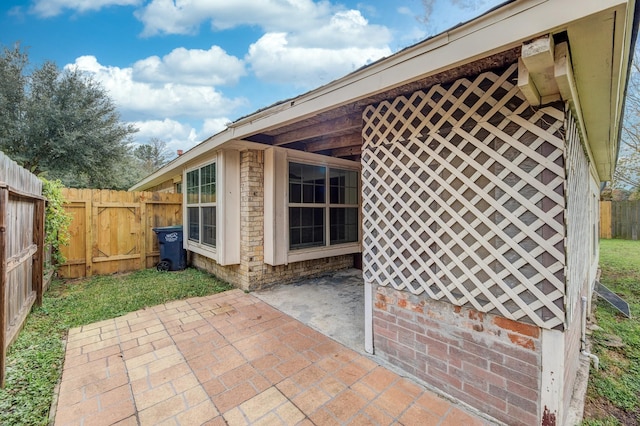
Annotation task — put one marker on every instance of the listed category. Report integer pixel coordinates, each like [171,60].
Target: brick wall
[489,362]
[252,273]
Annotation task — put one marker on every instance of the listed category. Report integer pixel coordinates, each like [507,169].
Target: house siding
[581,252]
[252,273]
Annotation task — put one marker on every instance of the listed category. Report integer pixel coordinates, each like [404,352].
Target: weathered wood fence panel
[112,231]
[605,219]
[625,220]
[21,250]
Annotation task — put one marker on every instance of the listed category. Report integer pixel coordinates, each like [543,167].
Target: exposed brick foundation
[489,362]
[252,273]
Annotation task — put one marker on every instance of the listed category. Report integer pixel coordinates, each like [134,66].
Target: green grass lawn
[34,361]
[613,395]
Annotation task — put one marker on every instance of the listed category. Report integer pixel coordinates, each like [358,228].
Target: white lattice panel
[463,198]
[579,244]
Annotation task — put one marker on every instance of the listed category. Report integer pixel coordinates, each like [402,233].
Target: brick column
[251,219]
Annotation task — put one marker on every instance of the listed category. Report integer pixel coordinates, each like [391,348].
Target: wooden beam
[349,123]
[347,151]
[335,142]
[535,70]
[526,86]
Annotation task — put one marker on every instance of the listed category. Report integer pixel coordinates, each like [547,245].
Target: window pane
[208,184]
[344,186]
[194,223]
[310,231]
[192,187]
[344,225]
[306,183]
[295,193]
[209,226]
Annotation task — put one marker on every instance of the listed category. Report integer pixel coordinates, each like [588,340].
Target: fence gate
[112,231]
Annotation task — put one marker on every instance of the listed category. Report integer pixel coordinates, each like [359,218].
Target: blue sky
[179,70]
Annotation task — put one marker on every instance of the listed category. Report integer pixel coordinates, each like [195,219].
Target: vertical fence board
[37,272]
[605,219]
[4,200]
[620,219]
[21,250]
[115,233]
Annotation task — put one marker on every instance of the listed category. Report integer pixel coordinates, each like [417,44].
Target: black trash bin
[172,256]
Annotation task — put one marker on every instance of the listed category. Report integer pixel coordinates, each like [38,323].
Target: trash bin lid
[173,228]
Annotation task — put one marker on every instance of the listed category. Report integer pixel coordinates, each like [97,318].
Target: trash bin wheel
[163,266]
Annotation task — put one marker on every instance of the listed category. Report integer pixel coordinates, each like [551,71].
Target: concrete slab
[332,304]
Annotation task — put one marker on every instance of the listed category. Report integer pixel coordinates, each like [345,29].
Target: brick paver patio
[232,359]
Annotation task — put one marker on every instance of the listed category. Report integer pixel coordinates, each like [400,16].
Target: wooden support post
[37,270]
[4,201]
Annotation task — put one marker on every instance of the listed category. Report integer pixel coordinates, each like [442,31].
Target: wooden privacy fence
[21,250]
[620,219]
[112,231]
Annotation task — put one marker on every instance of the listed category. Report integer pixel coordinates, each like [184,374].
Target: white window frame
[227,204]
[276,208]
[200,244]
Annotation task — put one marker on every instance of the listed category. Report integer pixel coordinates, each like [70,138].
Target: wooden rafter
[354,139]
[346,124]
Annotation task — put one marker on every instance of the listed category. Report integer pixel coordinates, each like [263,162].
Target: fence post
[4,201]
[37,270]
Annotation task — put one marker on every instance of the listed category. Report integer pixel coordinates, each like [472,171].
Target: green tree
[152,155]
[627,173]
[61,123]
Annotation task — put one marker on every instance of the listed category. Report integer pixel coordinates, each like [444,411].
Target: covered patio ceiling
[338,131]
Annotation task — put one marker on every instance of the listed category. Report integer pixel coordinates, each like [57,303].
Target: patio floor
[232,359]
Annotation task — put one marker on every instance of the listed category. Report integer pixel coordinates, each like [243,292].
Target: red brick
[523,403]
[485,376]
[518,327]
[515,376]
[522,367]
[523,391]
[517,352]
[525,342]
[520,417]
[411,325]
[445,377]
[483,351]
[485,397]
[468,357]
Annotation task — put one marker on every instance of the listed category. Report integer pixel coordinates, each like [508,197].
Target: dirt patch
[600,408]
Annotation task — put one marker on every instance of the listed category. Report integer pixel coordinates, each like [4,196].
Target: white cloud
[191,66]
[344,29]
[211,126]
[185,17]
[49,8]
[142,99]
[306,43]
[176,134]
[271,58]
